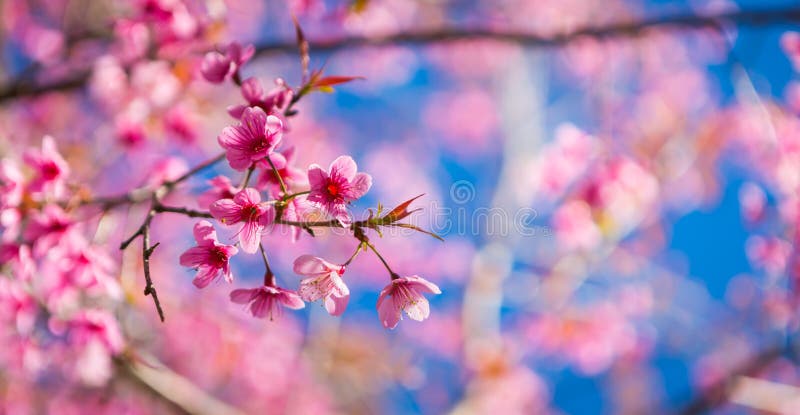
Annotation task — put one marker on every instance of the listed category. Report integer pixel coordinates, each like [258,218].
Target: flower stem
[385,264]
[246,178]
[355,254]
[269,277]
[294,195]
[278,175]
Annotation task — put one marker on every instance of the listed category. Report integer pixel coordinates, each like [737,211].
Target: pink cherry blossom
[92,325]
[253,139]
[273,102]
[81,267]
[209,256]
[332,190]
[267,300]
[182,124]
[324,282]
[49,228]
[245,207]
[217,67]
[51,169]
[404,294]
[221,188]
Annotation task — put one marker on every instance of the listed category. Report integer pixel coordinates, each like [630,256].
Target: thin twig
[754,18]
[147,251]
[183,211]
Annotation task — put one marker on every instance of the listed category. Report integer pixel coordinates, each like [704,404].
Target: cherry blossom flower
[209,256]
[324,282]
[253,139]
[81,267]
[51,169]
[331,190]
[404,294]
[221,188]
[217,67]
[49,228]
[90,325]
[245,207]
[273,102]
[97,336]
[267,300]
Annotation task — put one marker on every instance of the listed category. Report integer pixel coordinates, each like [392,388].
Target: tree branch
[717,394]
[754,18]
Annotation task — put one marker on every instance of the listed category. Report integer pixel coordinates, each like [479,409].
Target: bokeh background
[619,207]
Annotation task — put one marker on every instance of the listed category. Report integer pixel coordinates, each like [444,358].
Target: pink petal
[317,178]
[205,275]
[204,233]
[421,284]
[248,196]
[254,121]
[336,305]
[250,237]
[236,111]
[310,265]
[252,91]
[343,167]
[388,311]
[195,256]
[226,211]
[359,186]
[290,299]
[262,305]
[275,126]
[242,296]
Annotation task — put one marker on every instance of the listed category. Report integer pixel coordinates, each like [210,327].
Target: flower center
[219,256]
[333,189]
[260,145]
[250,213]
[50,171]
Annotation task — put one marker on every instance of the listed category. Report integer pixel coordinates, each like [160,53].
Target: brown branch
[716,22]
[177,391]
[717,394]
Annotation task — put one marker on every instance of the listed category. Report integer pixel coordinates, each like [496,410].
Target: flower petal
[336,305]
[343,167]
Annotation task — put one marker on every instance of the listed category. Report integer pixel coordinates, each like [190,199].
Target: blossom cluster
[284,195]
[61,288]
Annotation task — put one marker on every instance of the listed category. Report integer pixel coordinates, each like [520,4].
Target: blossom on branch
[253,139]
[246,208]
[404,294]
[324,281]
[267,301]
[332,190]
[209,257]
